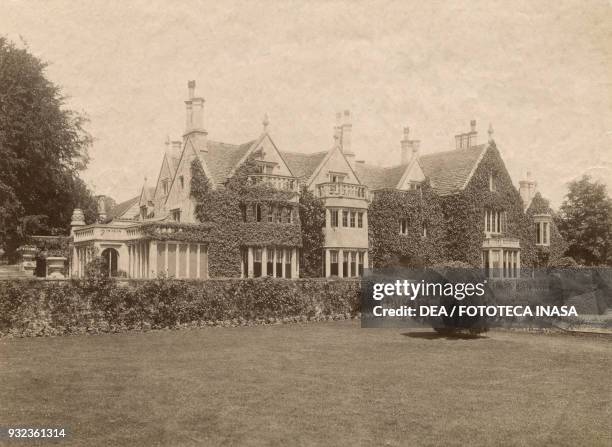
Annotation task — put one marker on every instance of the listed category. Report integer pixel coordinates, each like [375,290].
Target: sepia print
[305,223]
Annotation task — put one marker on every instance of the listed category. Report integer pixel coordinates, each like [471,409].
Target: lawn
[314,384]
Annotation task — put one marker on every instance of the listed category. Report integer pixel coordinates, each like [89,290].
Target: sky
[540,72]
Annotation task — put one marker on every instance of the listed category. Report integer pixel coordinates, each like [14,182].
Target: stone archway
[111,257]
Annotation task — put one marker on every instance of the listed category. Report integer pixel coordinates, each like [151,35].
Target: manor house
[142,237]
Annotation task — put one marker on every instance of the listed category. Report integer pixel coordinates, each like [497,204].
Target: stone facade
[345,185]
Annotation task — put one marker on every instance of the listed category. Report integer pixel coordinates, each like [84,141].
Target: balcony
[278,181]
[106,232]
[344,190]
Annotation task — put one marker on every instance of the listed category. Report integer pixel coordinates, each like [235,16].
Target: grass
[315,384]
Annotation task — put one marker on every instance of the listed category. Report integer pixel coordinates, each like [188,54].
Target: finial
[265,122]
[490,131]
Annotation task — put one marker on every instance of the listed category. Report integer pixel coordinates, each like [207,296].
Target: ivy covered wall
[420,208]
[546,255]
[237,217]
[464,213]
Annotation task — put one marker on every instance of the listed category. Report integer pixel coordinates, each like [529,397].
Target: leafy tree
[312,219]
[584,221]
[43,146]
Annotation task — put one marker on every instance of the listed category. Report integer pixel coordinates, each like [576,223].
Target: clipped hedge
[36,308]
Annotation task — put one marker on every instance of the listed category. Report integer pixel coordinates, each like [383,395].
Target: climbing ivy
[312,219]
[415,249]
[237,216]
[464,213]
[552,254]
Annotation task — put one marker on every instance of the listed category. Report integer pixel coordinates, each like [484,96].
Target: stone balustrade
[278,181]
[342,190]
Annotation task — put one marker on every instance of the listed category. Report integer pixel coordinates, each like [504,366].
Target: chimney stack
[347,130]
[468,139]
[410,148]
[527,189]
[338,130]
[194,123]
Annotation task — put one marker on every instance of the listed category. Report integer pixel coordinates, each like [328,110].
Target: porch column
[166,258]
[327,263]
[341,263]
[275,254]
[250,273]
[264,261]
[284,262]
[187,263]
[366,260]
[153,259]
[518,263]
[294,270]
[176,259]
[198,252]
[327,218]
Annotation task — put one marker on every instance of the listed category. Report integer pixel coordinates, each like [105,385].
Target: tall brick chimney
[468,139]
[194,122]
[527,189]
[346,138]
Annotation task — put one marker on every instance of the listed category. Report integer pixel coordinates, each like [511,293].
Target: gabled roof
[450,171]
[303,165]
[221,158]
[377,177]
[120,209]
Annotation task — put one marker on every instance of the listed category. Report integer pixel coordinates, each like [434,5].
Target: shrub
[102,304]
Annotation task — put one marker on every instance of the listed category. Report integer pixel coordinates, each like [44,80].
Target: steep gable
[334,163]
[266,152]
[412,174]
[165,174]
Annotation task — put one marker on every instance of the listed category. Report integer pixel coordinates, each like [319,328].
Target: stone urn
[55,267]
[28,258]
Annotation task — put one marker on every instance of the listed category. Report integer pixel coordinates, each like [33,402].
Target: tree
[584,222]
[43,146]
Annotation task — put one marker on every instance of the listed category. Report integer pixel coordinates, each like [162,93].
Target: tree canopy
[585,222]
[43,146]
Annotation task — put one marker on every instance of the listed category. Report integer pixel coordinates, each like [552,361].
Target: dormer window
[336,177]
[492,185]
[182,182]
[542,224]
[165,186]
[415,186]
[176,215]
[143,212]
